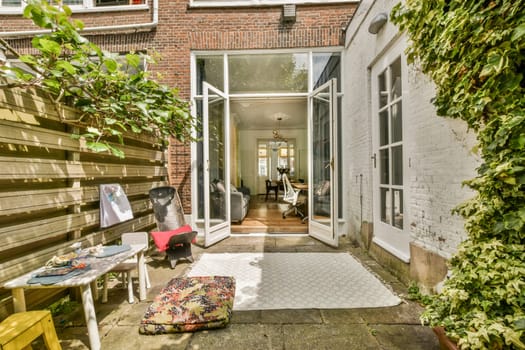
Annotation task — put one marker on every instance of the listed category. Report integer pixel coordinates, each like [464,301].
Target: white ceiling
[262,113]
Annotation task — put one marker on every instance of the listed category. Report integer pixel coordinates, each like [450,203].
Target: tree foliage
[474,51]
[115,96]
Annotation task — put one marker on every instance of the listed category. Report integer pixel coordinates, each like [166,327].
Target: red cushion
[161,238]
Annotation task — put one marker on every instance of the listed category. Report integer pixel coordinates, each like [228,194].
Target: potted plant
[474,53]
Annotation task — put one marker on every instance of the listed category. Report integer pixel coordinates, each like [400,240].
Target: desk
[99,266]
[300,186]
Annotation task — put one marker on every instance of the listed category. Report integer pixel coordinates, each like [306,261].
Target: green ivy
[114,97]
[474,51]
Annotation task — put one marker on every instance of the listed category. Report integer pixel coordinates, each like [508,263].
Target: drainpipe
[135,27]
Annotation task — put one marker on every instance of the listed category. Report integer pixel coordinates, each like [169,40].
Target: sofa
[239,199]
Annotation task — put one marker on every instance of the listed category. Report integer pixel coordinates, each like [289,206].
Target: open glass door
[216,169]
[323,189]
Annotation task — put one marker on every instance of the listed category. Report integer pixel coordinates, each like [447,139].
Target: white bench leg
[131,299]
[105,289]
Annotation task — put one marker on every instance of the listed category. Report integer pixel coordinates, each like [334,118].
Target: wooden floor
[266,217]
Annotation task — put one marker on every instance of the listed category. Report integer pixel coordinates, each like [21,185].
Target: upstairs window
[15,6]
[233,3]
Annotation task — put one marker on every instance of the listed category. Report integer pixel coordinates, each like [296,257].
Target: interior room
[269,138]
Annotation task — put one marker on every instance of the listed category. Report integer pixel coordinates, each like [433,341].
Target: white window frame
[87,6]
[392,239]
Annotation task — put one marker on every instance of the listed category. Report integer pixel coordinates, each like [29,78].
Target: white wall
[438,149]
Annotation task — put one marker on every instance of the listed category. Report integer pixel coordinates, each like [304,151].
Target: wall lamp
[377,23]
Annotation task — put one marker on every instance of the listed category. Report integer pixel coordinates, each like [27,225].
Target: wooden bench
[19,330]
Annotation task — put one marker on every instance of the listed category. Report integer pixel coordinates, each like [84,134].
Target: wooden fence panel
[49,186]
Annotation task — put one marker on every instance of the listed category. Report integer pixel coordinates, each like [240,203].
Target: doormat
[269,281]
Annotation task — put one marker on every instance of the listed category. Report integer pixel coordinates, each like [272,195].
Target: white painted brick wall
[438,149]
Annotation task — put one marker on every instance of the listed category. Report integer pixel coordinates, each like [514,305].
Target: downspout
[134,27]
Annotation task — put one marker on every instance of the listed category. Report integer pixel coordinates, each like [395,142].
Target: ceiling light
[277,132]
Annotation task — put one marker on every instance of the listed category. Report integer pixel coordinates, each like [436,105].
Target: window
[390,123]
[225,3]
[10,5]
[275,154]
[268,73]
[262,153]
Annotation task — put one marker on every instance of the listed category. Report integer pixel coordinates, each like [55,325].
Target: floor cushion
[189,304]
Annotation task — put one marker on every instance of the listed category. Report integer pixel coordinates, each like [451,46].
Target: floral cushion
[189,304]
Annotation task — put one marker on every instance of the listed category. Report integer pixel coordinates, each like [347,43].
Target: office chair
[291,196]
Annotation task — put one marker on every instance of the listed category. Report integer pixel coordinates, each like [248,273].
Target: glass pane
[385,205]
[216,161]
[11,3]
[397,122]
[211,70]
[384,169]
[397,165]
[321,159]
[398,208]
[395,71]
[383,92]
[383,128]
[263,166]
[200,162]
[110,2]
[272,73]
[326,65]
[78,2]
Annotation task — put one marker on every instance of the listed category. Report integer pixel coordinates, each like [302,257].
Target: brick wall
[182,29]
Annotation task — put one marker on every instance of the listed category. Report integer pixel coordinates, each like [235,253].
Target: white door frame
[220,231]
[393,239]
[327,233]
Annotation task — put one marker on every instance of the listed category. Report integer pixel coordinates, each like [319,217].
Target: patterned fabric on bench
[189,304]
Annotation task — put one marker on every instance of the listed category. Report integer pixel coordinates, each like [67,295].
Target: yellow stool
[20,329]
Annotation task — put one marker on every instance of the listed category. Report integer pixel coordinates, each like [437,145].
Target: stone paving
[395,327]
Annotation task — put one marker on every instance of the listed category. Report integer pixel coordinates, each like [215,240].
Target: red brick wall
[182,29]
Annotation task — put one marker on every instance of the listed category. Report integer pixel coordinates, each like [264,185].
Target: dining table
[89,265]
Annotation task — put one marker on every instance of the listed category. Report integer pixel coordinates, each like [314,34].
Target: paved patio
[381,328]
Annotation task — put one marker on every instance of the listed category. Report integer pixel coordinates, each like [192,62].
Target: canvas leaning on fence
[114,205]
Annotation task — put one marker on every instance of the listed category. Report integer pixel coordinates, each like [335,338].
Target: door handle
[374,158]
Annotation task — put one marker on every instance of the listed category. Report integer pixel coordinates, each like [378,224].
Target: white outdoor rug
[267,281]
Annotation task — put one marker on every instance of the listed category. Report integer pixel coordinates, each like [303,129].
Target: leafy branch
[114,96]
[474,51]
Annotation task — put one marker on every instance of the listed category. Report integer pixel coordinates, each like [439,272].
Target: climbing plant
[474,51]
[115,96]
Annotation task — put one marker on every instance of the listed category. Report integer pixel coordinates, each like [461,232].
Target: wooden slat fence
[49,187]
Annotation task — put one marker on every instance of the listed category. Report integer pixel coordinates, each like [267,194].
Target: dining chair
[126,267]
[271,187]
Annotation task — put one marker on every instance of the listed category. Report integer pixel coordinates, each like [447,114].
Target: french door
[390,193]
[215,165]
[323,189]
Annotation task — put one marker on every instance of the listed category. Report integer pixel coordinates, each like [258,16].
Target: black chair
[270,186]
[169,215]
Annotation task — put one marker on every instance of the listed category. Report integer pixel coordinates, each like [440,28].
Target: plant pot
[444,342]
